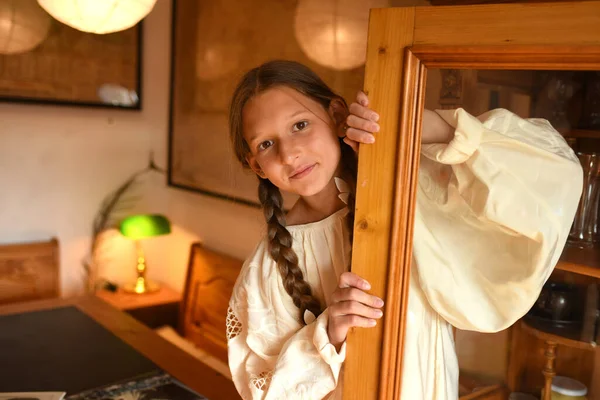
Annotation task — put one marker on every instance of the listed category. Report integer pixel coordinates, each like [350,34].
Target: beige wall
[57,163]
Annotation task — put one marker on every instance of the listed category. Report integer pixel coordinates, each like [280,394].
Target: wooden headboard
[210,279]
[29,271]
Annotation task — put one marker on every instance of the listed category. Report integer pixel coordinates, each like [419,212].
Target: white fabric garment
[494,208]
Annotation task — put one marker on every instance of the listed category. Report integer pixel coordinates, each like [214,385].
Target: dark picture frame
[69,67]
[212,45]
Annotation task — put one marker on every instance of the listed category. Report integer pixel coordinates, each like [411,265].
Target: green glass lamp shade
[143,226]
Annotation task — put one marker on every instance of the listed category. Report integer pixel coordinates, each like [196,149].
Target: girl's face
[292,139]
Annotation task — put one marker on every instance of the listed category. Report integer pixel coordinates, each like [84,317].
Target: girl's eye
[265,145]
[298,126]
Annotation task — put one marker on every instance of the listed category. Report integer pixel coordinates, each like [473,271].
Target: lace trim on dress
[262,381]
[234,326]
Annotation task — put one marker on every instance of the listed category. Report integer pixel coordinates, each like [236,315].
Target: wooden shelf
[547,335]
[129,301]
[580,261]
[581,133]
[493,392]
[471,387]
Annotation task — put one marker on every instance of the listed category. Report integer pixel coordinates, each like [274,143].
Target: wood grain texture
[29,271]
[511,36]
[167,356]
[561,340]
[407,167]
[580,261]
[390,31]
[512,57]
[594,392]
[470,2]
[567,23]
[517,359]
[549,372]
[492,392]
[528,359]
[210,280]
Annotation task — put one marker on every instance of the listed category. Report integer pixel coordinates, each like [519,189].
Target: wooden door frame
[402,44]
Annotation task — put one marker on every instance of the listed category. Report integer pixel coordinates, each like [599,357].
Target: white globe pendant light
[23,26]
[333,33]
[98,16]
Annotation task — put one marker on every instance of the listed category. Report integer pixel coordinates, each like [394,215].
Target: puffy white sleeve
[271,355]
[495,207]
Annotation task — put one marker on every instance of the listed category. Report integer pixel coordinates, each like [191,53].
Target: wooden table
[131,301]
[152,309]
[165,355]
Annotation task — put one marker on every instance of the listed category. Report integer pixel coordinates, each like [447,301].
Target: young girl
[490,225]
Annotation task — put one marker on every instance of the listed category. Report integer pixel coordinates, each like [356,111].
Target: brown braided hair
[305,81]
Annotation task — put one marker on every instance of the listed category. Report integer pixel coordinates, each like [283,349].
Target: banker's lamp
[139,227]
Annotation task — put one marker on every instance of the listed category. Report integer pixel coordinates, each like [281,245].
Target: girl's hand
[361,122]
[351,306]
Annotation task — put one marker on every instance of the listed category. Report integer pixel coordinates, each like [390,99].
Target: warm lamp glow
[98,16]
[139,227]
[23,26]
[333,33]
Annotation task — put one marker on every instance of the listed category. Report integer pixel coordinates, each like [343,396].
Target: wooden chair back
[210,279]
[29,271]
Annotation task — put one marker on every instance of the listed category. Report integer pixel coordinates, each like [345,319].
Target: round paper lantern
[23,26]
[98,16]
[333,33]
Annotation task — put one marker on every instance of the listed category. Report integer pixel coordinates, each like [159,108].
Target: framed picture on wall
[214,44]
[45,61]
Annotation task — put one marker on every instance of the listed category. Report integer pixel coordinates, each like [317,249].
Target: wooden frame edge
[407,169]
[416,61]
[580,57]
[374,205]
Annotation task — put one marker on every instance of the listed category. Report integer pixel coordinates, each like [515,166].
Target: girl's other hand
[351,306]
[361,122]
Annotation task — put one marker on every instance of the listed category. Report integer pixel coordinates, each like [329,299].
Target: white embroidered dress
[494,208]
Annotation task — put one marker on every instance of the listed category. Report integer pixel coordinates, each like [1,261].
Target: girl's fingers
[363,112]
[362,98]
[349,279]
[356,122]
[360,136]
[361,122]
[346,322]
[354,308]
[356,295]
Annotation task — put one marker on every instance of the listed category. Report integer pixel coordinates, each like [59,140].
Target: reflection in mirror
[45,61]
[566,310]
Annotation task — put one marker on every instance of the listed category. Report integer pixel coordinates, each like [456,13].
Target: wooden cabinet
[404,46]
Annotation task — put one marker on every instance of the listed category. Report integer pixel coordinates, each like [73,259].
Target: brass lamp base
[141,286]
